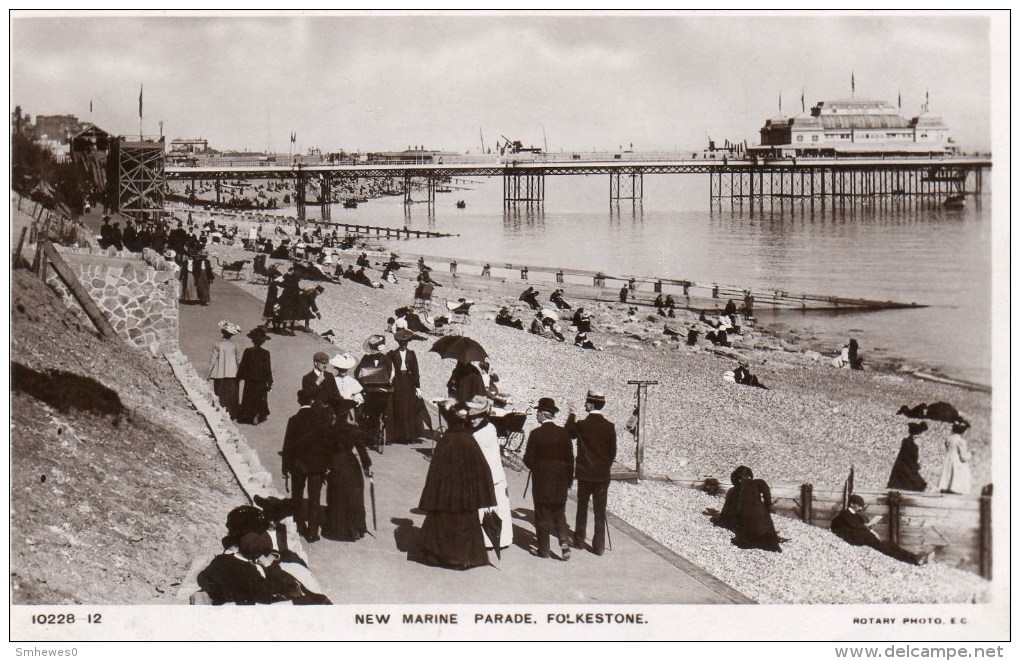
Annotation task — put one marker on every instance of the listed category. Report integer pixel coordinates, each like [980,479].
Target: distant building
[854,127]
[416,155]
[56,128]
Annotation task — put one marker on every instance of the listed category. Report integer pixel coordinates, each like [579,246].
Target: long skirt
[403,423]
[345,500]
[254,402]
[188,288]
[226,391]
[202,287]
[452,539]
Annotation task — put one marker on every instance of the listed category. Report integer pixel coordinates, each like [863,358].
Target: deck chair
[460,310]
[423,297]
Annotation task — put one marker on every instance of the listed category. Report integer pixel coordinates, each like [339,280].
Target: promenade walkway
[376,569]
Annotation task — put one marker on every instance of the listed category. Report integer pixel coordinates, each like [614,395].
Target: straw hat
[596,396]
[229,327]
[343,361]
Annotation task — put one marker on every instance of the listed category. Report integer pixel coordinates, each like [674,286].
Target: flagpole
[141,89]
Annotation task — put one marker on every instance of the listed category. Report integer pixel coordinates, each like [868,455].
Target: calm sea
[928,255]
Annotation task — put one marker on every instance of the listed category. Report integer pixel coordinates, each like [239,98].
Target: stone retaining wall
[138,293]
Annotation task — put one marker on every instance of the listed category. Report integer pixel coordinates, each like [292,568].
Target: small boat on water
[350,204]
[461,204]
[955,202]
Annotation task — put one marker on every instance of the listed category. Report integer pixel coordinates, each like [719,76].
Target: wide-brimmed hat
[258,334]
[229,327]
[343,361]
[479,405]
[596,396]
[548,405]
[403,335]
[917,427]
[372,343]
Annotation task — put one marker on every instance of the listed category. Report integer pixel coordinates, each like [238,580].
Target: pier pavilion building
[854,127]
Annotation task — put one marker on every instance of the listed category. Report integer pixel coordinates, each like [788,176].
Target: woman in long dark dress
[203,275]
[906,471]
[755,529]
[271,310]
[290,298]
[729,517]
[256,370]
[345,493]
[403,424]
[458,484]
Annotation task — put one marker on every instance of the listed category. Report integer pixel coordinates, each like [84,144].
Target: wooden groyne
[958,528]
[350,229]
[643,289]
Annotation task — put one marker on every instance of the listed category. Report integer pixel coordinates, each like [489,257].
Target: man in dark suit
[306,456]
[550,456]
[596,451]
[851,526]
[320,383]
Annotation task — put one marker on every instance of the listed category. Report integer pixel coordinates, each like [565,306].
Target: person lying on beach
[743,376]
[557,298]
[854,528]
[506,318]
[361,278]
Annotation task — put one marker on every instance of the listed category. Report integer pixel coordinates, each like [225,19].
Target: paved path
[376,569]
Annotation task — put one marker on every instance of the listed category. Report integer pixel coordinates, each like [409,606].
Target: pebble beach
[812,423]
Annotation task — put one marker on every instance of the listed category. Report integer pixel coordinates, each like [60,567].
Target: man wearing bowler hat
[550,456]
[596,451]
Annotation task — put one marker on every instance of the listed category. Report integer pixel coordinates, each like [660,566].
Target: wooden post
[895,499]
[21,243]
[806,502]
[639,437]
[985,542]
[46,251]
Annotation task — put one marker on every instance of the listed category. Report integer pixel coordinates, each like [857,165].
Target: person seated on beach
[282,251]
[582,321]
[393,264]
[422,266]
[670,306]
[692,336]
[730,514]
[856,362]
[489,381]
[725,323]
[718,338]
[361,278]
[388,276]
[730,310]
[412,321]
[363,260]
[743,376]
[660,305]
[505,318]
[854,528]
[842,361]
[530,296]
[624,292]
[554,330]
[581,340]
[754,528]
[349,273]
[557,298]
[631,314]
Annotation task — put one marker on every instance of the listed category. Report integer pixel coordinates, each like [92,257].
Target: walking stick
[371,493]
[528,482]
[609,538]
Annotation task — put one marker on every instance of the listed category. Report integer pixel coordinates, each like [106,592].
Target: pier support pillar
[627,186]
[325,195]
[300,191]
[523,188]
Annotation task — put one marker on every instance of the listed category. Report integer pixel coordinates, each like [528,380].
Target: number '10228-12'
[64,618]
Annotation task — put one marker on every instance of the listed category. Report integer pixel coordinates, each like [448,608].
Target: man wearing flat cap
[596,451]
[550,456]
[320,383]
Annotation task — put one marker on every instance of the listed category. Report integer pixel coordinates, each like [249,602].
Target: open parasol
[459,347]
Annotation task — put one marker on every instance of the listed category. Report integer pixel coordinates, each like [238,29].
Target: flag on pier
[293,136]
[90,105]
[899,99]
[140,90]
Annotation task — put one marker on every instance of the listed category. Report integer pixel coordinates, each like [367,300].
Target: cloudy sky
[386,82]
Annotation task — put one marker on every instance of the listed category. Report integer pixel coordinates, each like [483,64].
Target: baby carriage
[510,432]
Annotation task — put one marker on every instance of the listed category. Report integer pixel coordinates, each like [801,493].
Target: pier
[844,180]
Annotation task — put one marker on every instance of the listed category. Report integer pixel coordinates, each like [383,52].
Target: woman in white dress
[485,436]
[956,464]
